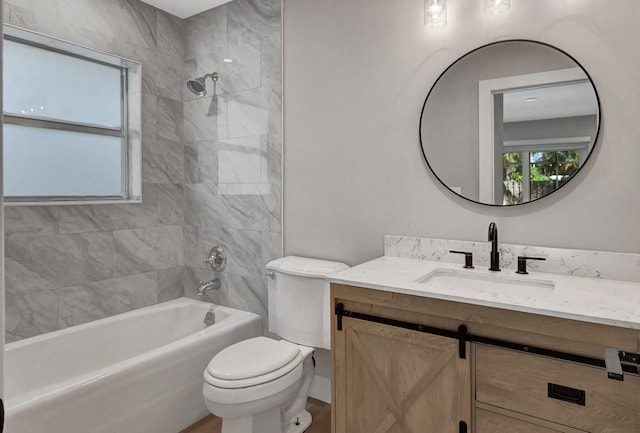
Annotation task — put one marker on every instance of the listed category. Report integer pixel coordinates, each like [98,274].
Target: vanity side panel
[337,393]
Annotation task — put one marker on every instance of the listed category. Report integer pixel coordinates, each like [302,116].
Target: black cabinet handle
[564,393]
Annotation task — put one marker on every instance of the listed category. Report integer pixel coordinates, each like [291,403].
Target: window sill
[69,202]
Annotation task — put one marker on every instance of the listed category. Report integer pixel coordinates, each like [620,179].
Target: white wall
[356,73]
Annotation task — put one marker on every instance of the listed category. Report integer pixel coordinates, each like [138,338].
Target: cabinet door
[389,379]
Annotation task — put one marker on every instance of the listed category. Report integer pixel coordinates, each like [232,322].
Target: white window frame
[487,173]
[130,131]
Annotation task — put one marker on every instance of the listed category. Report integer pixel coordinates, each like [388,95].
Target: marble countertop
[596,300]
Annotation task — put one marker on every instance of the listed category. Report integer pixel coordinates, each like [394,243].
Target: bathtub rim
[105,320]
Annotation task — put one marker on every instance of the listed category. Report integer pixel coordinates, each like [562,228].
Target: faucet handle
[216,258]
[468,258]
[522,263]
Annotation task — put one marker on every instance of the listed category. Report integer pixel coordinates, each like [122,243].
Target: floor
[320,412]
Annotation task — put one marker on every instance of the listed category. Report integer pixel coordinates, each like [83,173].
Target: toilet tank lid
[306,267]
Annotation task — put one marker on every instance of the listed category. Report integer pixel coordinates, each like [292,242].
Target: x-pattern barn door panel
[395,380]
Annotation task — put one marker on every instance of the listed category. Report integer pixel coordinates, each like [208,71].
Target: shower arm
[214,76]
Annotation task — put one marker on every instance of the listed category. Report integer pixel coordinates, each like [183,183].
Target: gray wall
[356,75]
[66,265]
[233,149]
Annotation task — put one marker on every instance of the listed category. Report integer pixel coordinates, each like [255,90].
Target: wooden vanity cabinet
[389,379]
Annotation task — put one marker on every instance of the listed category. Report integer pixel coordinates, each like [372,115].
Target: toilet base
[303,423]
[268,421]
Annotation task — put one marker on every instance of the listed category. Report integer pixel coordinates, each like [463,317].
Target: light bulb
[496,7]
[435,13]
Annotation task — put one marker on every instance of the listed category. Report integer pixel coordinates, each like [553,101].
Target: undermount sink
[494,286]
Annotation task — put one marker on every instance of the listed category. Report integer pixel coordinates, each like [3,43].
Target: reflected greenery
[545,172]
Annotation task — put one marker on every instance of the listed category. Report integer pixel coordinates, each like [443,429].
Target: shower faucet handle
[216,259]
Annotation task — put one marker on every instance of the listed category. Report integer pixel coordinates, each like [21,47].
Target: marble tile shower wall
[66,265]
[233,149]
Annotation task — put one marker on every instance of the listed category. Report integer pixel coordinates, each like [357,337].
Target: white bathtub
[136,372]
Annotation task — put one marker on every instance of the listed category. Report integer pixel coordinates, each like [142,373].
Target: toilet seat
[252,362]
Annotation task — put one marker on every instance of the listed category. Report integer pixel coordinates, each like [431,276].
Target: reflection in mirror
[510,122]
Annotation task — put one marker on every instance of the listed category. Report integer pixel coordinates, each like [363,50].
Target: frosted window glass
[46,162]
[45,83]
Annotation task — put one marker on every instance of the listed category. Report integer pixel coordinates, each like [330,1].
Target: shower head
[198,86]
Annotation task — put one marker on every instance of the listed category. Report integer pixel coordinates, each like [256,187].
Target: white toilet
[261,385]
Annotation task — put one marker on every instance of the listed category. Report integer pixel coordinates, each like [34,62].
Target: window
[534,168]
[71,122]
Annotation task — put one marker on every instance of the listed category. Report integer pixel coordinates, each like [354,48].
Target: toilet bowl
[261,385]
[254,386]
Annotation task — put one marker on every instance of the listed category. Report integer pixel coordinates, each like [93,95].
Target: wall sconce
[496,7]
[435,13]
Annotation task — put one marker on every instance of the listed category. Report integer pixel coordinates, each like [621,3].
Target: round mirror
[510,122]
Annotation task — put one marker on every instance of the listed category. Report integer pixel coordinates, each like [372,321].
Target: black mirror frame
[595,140]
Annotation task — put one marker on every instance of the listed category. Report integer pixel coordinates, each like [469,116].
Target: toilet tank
[299,299]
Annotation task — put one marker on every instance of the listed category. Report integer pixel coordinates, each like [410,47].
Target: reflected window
[543,173]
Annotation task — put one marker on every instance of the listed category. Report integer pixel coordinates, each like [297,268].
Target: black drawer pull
[563,393]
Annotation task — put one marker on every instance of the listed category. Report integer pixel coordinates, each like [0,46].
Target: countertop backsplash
[581,263]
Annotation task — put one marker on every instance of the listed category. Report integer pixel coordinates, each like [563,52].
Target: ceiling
[567,100]
[185,8]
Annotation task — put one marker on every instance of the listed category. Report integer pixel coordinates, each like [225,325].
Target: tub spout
[209,285]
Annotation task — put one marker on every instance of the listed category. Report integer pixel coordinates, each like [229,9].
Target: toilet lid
[250,358]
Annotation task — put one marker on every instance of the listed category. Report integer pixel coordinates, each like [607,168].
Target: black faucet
[495,255]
